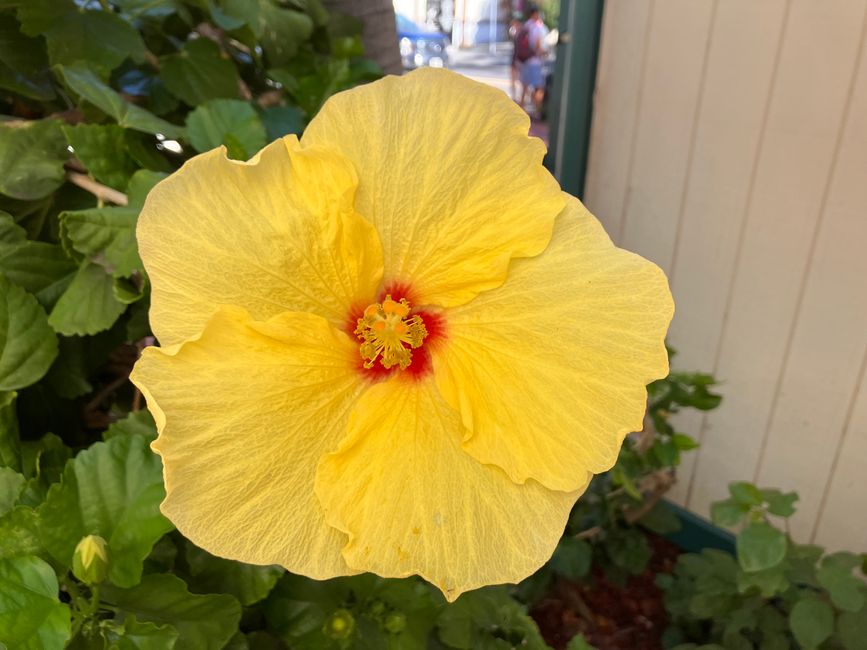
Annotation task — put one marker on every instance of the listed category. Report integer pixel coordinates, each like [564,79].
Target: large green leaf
[95,35]
[572,558]
[10,443]
[835,574]
[11,484]
[89,86]
[477,618]
[812,622]
[31,159]
[42,269]
[246,582]
[229,122]
[137,423]
[106,236]
[282,120]
[139,635]
[282,31]
[199,72]
[19,533]
[760,546]
[852,629]
[203,622]
[112,489]
[101,148]
[23,62]
[27,344]
[31,614]
[88,305]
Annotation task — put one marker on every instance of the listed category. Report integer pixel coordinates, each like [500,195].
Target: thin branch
[100,191]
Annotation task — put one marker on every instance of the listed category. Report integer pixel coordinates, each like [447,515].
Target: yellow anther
[389,334]
[390,306]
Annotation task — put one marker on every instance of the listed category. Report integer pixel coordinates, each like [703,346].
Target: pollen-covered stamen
[387,332]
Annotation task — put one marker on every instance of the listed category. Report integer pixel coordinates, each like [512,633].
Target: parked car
[420,46]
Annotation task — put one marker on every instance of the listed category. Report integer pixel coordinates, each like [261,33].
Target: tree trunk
[380,32]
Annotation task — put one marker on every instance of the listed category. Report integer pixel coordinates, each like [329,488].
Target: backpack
[523,49]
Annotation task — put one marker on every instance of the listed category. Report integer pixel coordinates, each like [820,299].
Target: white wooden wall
[729,145]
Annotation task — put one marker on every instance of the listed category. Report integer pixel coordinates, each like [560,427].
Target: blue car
[419,46]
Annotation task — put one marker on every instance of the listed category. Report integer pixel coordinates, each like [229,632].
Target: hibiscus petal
[413,503]
[549,370]
[275,234]
[244,414]
[448,176]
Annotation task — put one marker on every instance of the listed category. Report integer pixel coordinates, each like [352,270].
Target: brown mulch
[610,616]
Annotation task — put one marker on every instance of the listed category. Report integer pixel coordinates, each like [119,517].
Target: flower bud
[90,560]
[339,625]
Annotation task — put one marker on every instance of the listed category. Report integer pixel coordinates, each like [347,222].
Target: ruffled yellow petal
[413,502]
[549,370]
[244,414]
[447,175]
[277,233]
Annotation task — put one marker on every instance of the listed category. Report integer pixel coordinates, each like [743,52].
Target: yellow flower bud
[90,560]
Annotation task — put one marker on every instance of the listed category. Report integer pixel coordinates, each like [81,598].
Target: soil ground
[610,616]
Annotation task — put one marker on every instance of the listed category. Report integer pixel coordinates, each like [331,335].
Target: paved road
[480,64]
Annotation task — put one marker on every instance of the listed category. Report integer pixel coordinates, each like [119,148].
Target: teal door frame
[571,108]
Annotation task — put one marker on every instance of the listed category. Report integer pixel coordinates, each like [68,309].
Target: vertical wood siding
[729,145]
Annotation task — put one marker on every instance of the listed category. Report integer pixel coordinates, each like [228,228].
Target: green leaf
[248,583]
[112,489]
[282,120]
[769,582]
[31,614]
[141,183]
[835,575]
[746,494]
[779,503]
[88,305]
[203,622]
[27,344]
[100,37]
[315,88]
[199,72]
[479,617]
[684,442]
[40,268]
[852,630]
[661,520]
[229,122]
[628,549]
[578,642]
[138,423]
[89,86]
[19,533]
[136,635]
[23,62]
[101,148]
[11,484]
[812,622]
[728,513]
[10,443]
[760,546]
[142,147]
[281,31]
[572,558]
[105,236]
[31,159]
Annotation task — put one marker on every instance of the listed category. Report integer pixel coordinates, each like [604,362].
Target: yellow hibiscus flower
[394,346]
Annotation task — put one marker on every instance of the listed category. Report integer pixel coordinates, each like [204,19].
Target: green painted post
[571,111]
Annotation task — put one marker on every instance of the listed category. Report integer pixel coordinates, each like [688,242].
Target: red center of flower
[393,336]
